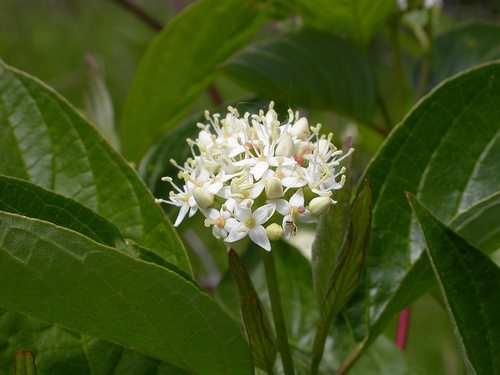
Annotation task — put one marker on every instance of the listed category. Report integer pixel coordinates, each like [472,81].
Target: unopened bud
[274,232]
[203,197]
[274,189]
[301,129]
[319,205]
[286,147]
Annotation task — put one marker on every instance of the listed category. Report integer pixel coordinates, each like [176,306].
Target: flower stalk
[276,307]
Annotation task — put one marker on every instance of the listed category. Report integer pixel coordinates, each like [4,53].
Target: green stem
[399,74]
[279,319]
[428,48]
[318,347]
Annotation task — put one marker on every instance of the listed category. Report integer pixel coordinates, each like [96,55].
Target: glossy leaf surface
[469,282]
[83,355]
[156,311]
[24,198]
[309,69]
[179,66]
[360,20]
[455,128]
[331,232]
[48,143]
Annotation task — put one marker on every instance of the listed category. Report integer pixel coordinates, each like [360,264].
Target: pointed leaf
[445,151]
[155,311]
[259,333]
[25,363]
[26,199]
[350,263]
[49,144]
[310,69]
[360,20]
[255,319]
[179,66]
[331,232]
[479,224]
[469,282]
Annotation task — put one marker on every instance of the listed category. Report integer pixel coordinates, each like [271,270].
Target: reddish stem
[402,334]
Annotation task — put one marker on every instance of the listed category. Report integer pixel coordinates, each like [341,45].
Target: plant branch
[158,26]
[276,307]
[428,48]
[140,13]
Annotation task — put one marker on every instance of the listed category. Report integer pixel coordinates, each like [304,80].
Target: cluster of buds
[250,169]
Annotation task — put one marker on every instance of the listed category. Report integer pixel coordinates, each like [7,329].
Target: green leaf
[49,144]
[255,319]
[331,232]
[26,199]
[259,333]
[98,103]
[384,358]
[61,352]
[360,20]
[469,282]
[445,151]
[179,66]
[310,69]
[479,224]
[156,311]
[462,48]
[296,288]
[350,264]
[25,363]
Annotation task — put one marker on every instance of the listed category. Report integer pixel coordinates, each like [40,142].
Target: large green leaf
[331,232]
[469,282]
[445,152]
[311,69]
[24,198]
[61,352]
[462,48]
[179,66]
[46,142]
[360,20]
[479,224]
[66,279]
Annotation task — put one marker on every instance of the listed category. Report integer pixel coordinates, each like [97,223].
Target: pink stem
[402,334]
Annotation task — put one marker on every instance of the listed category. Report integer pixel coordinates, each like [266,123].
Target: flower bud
[274,189]
[203,197]
[274,232]
[319,205]
[301,129]
[286,147]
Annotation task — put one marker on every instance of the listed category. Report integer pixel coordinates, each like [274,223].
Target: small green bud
[203,197]
[319,205]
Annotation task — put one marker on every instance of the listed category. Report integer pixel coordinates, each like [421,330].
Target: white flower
[244,169]
[294,210]
[251,223]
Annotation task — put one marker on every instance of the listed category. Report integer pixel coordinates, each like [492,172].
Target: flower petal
[259,235]
[237,233]
[262,214]
[307,217]
[297,199]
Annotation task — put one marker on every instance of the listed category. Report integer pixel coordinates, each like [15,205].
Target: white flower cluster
[250,168]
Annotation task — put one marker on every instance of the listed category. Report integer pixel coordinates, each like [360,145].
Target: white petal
[262,214]
[292,182]
[259,169]
[237,233]
[288,227]
[215,187]
[259,235]
[282,206]
[297,199]
[307,218]
[182,215]
[257,189]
